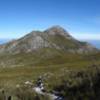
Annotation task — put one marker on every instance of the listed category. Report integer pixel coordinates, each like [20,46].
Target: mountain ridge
[54,37]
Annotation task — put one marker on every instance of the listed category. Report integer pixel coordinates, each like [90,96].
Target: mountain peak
[58,27]
[55,30]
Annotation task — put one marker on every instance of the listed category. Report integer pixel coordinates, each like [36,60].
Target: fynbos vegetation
[69,69]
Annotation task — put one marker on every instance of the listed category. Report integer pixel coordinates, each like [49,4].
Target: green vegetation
[71,71]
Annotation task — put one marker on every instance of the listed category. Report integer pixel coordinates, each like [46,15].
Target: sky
[80,17]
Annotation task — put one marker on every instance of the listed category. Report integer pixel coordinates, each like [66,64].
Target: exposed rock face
[55,37]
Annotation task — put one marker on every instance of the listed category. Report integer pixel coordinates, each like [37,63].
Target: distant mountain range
[95,43]
[2,41]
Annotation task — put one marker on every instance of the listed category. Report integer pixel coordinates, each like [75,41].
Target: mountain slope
[54,37]
[52,46]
